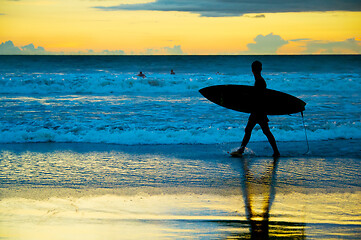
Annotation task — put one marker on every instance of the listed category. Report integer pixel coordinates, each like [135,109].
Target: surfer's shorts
[258,118]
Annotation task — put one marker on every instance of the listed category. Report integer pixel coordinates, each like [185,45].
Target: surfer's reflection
[258,220]
[259,192]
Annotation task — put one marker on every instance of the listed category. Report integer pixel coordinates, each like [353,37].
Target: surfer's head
[256,67]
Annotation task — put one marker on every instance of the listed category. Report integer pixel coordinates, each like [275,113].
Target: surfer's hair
[257,66]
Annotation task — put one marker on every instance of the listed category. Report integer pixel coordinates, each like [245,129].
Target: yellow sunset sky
[178,27]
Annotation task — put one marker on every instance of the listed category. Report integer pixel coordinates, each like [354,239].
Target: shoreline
[318,148]
[163,162]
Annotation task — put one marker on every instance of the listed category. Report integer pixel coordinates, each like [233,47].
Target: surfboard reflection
[258,188]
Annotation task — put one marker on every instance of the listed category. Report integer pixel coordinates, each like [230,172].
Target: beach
[89,150]
[97,191]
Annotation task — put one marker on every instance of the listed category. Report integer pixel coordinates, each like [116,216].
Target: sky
[189,27]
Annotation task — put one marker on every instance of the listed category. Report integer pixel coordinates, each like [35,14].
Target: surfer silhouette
[259,116]
[141,74]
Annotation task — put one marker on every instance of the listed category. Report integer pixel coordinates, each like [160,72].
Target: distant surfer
[171,72]
[257,117]
[141,75]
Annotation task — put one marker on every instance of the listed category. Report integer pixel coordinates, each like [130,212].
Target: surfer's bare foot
[238,153]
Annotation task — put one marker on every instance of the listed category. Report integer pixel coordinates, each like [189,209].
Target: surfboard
[246,99]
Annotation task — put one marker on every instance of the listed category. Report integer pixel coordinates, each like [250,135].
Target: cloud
[229,8]
[256,16]
[268,44]
[151,51]
[175,50]
[113,52]
[103,52]
[31,49]
[8,48]
[330,47]
[300,39]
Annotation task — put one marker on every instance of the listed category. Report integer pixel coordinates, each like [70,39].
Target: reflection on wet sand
[258,188]
[171,192]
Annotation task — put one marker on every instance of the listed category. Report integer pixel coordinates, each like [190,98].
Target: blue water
[99,99]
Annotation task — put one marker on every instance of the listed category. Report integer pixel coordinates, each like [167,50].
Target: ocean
[89,150]
[99,99]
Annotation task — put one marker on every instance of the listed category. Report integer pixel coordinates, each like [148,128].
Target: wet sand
[103,191]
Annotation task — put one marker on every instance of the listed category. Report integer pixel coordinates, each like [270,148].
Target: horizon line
[286,54]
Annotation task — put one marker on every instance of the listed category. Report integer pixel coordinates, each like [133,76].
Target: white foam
[171,136]
[103,82]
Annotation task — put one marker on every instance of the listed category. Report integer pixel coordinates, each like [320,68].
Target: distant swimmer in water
[171,72]
[257,117]
[141,75]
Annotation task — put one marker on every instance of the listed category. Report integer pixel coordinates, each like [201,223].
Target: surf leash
[304,126]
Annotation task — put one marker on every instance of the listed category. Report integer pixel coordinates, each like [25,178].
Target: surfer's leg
[247,133]
[270,137]
[247,136]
